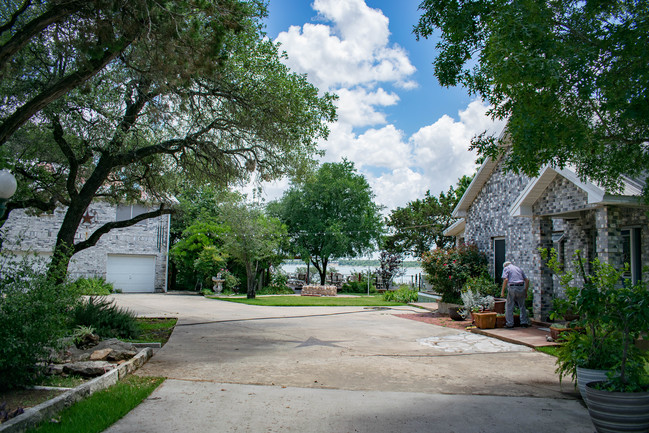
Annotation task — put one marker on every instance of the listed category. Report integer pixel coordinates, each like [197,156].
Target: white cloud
[354,50]
[356,107]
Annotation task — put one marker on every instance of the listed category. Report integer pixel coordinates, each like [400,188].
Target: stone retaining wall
[319,291]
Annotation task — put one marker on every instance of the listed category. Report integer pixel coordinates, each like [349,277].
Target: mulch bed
[437,319]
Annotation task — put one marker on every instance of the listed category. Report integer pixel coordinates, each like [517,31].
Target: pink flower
[449,277]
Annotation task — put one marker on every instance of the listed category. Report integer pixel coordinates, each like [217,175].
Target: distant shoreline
[358,263]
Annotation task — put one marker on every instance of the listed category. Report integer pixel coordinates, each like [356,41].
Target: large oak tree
[330,215]
[570,76]
[198,93]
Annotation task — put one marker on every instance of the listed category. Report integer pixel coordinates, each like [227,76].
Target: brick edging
[35,415]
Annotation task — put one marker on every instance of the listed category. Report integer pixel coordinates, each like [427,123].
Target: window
[631,253]
[126,212]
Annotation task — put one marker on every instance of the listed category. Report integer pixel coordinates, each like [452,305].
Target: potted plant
[480,307]
[613,313]
[621,402]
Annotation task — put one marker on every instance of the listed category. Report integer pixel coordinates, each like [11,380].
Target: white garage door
[131,273]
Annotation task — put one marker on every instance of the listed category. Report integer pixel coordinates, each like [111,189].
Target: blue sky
[403,131]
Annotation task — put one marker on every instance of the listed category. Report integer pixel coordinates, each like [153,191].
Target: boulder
[101,355]
[88,368]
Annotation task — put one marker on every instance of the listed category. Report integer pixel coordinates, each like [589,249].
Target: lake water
[411,273]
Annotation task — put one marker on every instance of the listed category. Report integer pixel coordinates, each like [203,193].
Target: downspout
[167,256]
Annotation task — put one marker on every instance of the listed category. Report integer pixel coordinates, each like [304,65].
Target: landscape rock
[100,355]
[88,368]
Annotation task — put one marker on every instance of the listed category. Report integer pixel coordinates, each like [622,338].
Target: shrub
[275,290]
[358,286]
[404,295]
[108,320]
[448,269]
[34,316]
[93,286]
[483,284]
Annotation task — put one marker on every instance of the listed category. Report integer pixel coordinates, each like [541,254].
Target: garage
[131,274]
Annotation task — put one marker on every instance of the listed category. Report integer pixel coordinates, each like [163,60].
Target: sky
[404,132]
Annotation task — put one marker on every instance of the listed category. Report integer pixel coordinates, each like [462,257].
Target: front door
[499,259]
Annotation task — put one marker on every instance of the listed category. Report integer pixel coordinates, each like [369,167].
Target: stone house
[510,216]
[134,259]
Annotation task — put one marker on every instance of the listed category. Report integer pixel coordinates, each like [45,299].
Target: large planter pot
[485,320]
[618,411]
[587,375]
[499,305]
[501,321]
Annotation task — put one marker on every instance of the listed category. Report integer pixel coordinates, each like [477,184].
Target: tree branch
[97,234]
[34,27]
[58,89]
[69,154]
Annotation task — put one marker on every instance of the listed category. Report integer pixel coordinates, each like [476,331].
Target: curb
[35,415]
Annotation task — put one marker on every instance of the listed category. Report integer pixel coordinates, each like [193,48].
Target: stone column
[541,278]
[609,236]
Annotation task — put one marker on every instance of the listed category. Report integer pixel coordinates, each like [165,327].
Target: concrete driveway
[240,368]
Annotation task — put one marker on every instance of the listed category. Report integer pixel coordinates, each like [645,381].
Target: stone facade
[561,218]
[37,234]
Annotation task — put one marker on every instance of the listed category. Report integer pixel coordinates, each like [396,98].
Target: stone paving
[471,343]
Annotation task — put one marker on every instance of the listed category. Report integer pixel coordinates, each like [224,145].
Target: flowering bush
[449,268]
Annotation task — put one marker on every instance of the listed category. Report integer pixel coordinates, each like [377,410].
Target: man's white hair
[507,263]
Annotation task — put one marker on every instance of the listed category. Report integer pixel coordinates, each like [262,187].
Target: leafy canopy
[419,226]
[571,77]
[331,215]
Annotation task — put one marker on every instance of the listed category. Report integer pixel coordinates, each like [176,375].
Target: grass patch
[99,411]
[62,381]
[550,350]
[313,301]
[154,330]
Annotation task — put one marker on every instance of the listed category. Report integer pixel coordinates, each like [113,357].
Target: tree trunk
[250,280]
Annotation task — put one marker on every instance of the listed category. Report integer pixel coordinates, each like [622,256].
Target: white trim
[455,229]
[474,188]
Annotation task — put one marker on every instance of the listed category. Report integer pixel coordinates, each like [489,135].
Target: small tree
[390,267]
[332,215]
[253,239]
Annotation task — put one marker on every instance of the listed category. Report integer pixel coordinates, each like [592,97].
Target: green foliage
[475,301]
[570,77]
[614,312]
[331,215]
[390,267]
[109,320]
[81,333]
[94,286]
[134,99]
[483,284]
[358,286]
[448,269]
[103,408]
[403,295]
[34,315]
[253,240]
[418,227]
[197,255]
[275,290]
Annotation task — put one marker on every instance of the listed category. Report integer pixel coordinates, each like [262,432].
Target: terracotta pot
[500,321]
[485,320]
[499,305]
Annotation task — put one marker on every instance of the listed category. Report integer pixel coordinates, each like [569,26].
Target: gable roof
[522,206]
[474,188]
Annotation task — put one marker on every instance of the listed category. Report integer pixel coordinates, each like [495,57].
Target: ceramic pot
[618,411]
[587,375]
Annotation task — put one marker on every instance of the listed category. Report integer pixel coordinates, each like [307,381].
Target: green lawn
[99,411]
[313,301]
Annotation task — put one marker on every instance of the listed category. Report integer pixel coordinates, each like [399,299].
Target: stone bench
[319,291]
